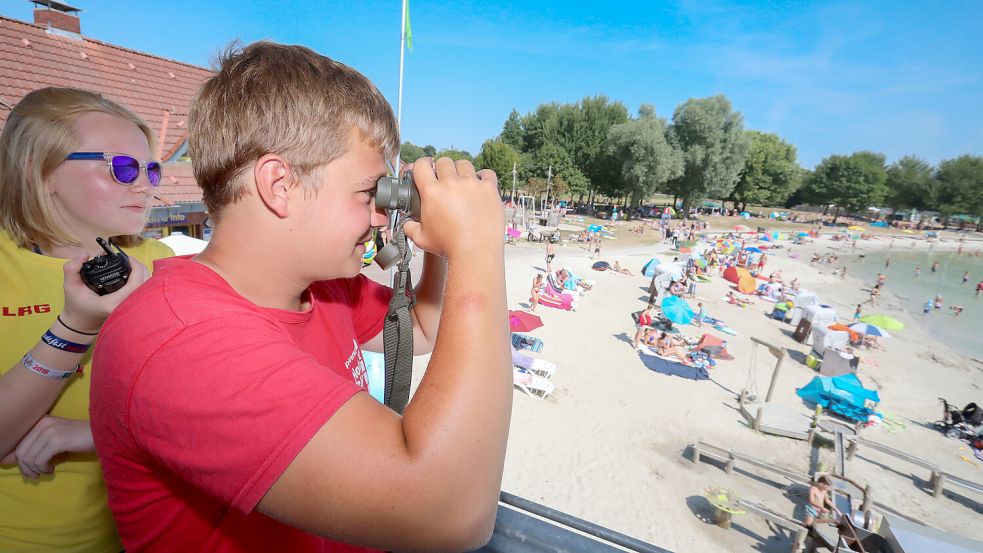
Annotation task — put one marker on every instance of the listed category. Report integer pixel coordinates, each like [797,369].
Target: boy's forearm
[430,295]
[459,417]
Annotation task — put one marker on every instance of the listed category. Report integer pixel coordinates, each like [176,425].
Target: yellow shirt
[66,510]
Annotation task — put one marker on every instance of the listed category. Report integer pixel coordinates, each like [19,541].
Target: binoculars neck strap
[398,333]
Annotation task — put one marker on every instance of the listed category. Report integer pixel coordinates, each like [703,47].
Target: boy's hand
[461,211]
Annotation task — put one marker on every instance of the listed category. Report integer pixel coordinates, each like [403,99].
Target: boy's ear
[273,179]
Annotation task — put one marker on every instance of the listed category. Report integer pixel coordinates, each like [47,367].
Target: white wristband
[36,367]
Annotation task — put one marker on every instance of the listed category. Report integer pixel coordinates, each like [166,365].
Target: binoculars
[395,193]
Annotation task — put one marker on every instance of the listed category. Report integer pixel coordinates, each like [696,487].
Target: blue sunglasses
[124,169]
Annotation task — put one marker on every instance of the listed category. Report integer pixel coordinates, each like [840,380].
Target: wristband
[64,345]
[39,368]
[73,330]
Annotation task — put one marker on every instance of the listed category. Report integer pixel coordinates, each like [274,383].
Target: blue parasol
[677,310]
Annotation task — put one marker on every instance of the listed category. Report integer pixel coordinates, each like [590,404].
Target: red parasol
[521,321]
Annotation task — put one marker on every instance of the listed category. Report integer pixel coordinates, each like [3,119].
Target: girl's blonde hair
[39,134]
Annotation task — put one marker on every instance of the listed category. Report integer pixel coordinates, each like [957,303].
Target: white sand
[610,444]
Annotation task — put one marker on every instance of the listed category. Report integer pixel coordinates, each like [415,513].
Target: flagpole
[399,101]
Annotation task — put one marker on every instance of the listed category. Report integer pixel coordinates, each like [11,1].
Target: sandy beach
[611,443]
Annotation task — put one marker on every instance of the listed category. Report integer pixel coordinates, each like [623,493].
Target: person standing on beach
[935,266]
[873,296]
[843,273]
[537,286]
[927,308]
[857,312]
[597,245]
[938,302]
[918,271]
[550,254]
[965,277]
[881,279]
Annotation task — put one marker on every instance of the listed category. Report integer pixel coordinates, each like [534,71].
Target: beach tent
[601,266]
[715,347]
[844,395]
[674,270]
[649,268]
[734,274]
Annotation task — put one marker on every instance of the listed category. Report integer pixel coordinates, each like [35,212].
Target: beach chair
[533,385]
[536,366]
[521,341]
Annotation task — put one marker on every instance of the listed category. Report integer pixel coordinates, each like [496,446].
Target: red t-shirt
[202,399]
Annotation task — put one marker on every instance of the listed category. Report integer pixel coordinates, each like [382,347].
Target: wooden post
[696,452]
[865,506]
[938,482]
[729,465]
[757,418]
[851,450]
[778,353]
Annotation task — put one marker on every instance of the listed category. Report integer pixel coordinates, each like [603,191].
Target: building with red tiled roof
[53,52]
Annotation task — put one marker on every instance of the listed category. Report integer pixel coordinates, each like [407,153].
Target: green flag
[409,30]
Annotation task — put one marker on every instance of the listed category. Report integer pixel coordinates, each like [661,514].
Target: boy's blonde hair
[269,98]
[39,134]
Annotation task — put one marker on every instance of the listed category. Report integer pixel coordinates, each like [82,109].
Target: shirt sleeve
[226,406]
[370,303]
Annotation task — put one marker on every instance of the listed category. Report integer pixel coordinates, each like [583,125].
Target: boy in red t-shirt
[230,407]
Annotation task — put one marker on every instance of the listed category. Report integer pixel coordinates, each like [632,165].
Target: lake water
[963,333]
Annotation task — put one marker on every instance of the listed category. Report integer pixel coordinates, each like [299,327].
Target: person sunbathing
[671,346]
[734,300]
[619,269]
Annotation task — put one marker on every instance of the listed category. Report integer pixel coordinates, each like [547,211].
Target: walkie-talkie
[107,273]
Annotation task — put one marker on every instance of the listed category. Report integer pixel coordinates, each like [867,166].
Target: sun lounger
[521,341]
[533,385]
[541,367]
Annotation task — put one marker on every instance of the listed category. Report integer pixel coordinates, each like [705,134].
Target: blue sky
[830,77]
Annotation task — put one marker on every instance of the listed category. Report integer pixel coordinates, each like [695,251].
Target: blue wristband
[63,344]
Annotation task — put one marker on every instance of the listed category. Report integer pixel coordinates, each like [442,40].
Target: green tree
[960,188]
[430,150]
[770,174]
[409,152]
[711,137]
[552,157]
[910,184]
[648,161]
[853,182]
[456,155]
[499,157]
[513,132]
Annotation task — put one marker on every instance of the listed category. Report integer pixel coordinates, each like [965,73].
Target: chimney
[58,17]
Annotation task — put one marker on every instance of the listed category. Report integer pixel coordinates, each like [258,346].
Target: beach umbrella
[677,310]
[725,246]
[521,321]
[734,274]
[595,228]
[742,228]
[649,268]
[883,321]
[601,266]
[745,214]
[752,249]
[868,329]
[747,284]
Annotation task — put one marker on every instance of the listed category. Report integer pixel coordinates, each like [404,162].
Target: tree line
[594,147]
